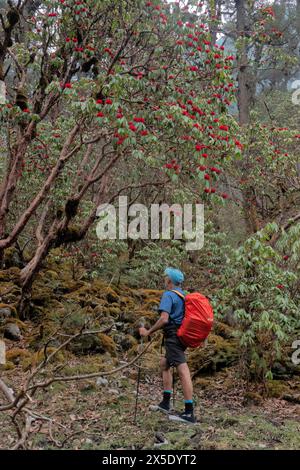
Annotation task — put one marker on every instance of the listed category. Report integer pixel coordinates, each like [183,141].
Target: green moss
[107,343]
[11,307]
[277,388]
[16,354]
[216,355]
[114,311]
[93,344]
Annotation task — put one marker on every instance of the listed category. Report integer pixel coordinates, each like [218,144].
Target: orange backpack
[198,319]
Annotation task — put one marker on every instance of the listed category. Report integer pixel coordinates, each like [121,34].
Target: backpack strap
[182,296]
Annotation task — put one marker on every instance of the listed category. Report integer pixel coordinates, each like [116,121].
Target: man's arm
[161,322]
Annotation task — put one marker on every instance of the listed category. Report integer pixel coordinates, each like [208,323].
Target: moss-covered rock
[10,292]
[252,398]
[12,274]
[114,311]
[15,355]
[128,342]
[93,344]
[12,258]
[216,355]
[111,296]
[36,358]
[223,330]
[52,274]
[11,331]
[277,388]
[7,310]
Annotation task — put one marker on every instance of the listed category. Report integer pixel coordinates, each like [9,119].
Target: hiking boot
[188,418]
[162,406]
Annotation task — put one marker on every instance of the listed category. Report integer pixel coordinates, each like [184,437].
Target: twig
[90,376]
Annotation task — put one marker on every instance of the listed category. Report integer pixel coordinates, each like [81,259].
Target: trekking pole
[141,325]
[173,387]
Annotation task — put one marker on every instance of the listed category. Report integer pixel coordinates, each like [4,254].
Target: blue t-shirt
[171,303]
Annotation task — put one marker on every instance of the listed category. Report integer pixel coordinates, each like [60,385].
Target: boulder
[292,398]
[12,331]
[218,354]
[5,312]
[16,355]
[128,342]
[252,398]
[93,344]
[101,381]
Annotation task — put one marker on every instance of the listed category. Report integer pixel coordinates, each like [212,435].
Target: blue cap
[175,275]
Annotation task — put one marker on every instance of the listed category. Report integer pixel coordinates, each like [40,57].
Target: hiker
[171,310]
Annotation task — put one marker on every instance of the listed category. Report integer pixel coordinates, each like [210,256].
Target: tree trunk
[28,274]
[246,92]
[245,79]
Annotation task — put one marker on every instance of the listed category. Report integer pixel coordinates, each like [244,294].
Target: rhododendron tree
[259,291]
[102,97]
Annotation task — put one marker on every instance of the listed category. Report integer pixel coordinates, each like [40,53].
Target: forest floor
[90,416]
[85,415]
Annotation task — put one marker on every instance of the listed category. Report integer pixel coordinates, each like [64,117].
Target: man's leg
[186,381]
[185,378]
[164,405]
[166,374]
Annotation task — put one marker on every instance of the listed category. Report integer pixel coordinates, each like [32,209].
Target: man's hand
[143,331]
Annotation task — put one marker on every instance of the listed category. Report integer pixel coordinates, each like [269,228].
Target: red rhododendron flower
[238,144]
[132,127]
[199,147]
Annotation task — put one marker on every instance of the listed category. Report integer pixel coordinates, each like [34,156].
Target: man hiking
[171,310]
